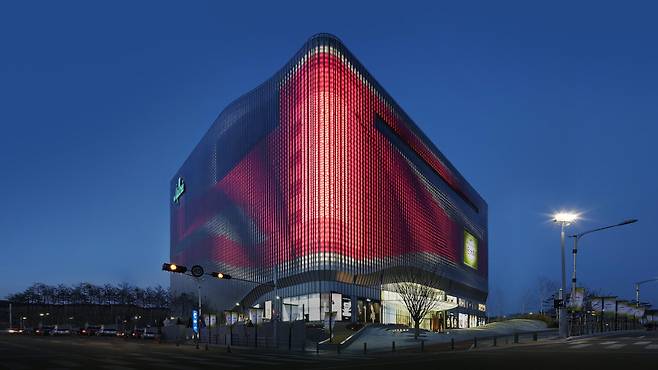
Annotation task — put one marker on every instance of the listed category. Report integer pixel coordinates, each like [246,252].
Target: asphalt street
[638,350]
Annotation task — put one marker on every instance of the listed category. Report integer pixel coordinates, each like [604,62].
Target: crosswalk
[621,343]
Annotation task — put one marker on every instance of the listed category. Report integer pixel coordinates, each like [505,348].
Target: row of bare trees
[87,293]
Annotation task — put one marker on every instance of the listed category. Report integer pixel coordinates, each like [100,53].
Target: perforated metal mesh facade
[318,177]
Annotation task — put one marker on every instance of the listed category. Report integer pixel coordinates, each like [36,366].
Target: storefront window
[268,310]
[472,321]
[463,321]
[336,302]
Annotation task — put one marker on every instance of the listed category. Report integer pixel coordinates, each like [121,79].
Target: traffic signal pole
[198,335]
[197,272]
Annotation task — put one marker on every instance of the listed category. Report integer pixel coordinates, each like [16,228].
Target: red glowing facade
[317,180]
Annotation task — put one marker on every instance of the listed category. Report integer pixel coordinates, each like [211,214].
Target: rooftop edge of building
[325,37]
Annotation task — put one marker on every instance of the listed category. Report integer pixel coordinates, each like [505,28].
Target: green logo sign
[470,250]
[180,189]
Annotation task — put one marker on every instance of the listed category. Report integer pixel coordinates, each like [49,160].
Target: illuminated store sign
[470,250]
[180,189]
[195,321]
[346,310]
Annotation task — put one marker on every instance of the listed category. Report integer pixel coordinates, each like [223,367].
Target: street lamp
[564,219]
[637,289]
[576,238]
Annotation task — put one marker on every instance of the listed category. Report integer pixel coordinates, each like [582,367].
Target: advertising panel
[470,250]
[346,309]
[195,321]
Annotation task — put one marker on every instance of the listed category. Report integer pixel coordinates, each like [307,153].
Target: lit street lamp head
[565,217]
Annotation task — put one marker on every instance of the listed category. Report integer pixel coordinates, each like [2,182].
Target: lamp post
[576,238]
[564,219]
[637,289]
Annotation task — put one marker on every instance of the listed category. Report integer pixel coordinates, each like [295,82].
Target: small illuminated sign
[346,309]
[195,321]
[180,189]
[470,250]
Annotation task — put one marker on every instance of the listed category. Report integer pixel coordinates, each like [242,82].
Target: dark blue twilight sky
[541,107]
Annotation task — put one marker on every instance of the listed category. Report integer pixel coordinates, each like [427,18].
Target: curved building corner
[314,191]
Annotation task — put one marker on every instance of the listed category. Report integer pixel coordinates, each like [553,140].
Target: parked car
[44,330]
[89,330]
[58,331]
[107,333]
[136,333]
[149,333]
[12,331]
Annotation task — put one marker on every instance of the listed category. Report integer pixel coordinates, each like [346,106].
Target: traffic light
[221,275]
[172,267]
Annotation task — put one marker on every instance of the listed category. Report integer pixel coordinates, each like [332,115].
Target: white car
[58,331]
[107,333]
[149,334]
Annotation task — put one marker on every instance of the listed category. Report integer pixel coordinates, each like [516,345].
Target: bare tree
[87,293]
[545,289]
[418,292]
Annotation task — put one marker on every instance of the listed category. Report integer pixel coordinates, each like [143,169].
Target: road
[638,350]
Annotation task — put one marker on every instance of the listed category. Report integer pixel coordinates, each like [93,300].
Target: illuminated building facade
[316,187]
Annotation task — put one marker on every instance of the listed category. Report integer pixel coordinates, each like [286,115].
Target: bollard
[494,341]
[516,338]
[206,346]
[534,337]
[317,347]
[393,347]
[452,344]
[422,345]
[365,347]
[338,348]
[228,348]
[475,342]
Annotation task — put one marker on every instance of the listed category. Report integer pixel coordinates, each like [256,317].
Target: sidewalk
[382,338]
